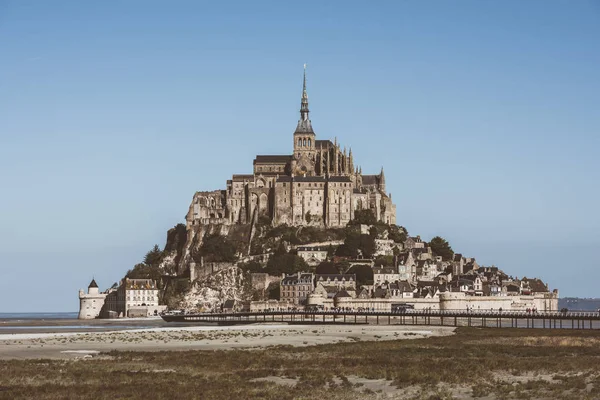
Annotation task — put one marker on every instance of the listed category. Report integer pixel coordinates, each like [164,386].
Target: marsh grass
[486,363]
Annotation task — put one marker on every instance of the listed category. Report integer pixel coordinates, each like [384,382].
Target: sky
[484,114]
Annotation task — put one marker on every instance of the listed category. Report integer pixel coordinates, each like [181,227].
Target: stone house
[313,255]
[385,274]
[341,281]
[295,288]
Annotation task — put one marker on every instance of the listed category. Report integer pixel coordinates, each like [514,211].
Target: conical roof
[93,284]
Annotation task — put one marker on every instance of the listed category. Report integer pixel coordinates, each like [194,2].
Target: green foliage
[281,249]
[217,248]
[364,274]
[285,264]
[154,256]
[326,268]
[366,217]
[251,266]
[175,290]
[441,247]
[330,251]
[397,233]
[268,238]
[384,261]
[263,220]
[356,243]
[274,292]
[144,271]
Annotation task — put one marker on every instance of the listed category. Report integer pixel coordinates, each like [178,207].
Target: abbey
[318,184]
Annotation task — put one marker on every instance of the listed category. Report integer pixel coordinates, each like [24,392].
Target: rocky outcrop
[212,291]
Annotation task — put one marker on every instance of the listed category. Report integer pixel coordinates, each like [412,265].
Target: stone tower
[304,139]
[91,303]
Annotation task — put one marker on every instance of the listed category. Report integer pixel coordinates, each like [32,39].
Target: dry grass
[490,363]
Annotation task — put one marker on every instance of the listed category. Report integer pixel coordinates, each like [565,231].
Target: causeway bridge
[489,319]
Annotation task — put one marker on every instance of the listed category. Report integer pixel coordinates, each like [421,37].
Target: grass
[474,363]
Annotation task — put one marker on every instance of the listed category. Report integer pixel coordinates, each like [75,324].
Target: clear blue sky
[485,115]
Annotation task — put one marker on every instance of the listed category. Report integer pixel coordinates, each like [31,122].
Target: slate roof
[341,293]
[339,277]
[293,279]
[93,284]
[384,270]
[404,286]
[339,179]
[369,179]
[272,159]
[242,177]
[323,143]
[313,248]
[284,178]
[536,285]
[309,179]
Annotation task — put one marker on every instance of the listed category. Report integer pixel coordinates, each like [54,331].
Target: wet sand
[68,345]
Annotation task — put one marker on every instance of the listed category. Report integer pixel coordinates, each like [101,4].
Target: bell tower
[304,137]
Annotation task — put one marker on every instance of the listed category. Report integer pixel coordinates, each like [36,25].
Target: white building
[385,274]
[133,298]
[313,255]
[90,304]
[138,298]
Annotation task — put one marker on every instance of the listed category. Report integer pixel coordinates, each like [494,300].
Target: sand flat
[65,345]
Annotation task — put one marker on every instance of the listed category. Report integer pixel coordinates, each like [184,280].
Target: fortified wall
[446,302]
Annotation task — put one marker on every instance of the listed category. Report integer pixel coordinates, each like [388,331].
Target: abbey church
[318,184]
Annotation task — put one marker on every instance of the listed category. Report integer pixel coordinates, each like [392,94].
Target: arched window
[304,141]
[308,142]
[299,142]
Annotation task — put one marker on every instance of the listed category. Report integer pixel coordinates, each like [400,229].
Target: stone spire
[382,180]
[304,125]
[351,161]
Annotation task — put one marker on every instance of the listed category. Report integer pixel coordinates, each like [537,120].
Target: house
[511,289]
[492,289]
[426,269]
[295,288]
[401,290]
[533,286]
[346,281]
[414,242]
[385,274]
[313,255]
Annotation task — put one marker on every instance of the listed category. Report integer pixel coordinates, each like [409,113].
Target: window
[308,142]
[304,141]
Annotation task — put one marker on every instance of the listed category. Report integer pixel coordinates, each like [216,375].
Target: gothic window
[299,142]
[308,142]
[304,141]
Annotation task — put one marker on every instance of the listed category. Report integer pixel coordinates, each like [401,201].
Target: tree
[217,248]
[384,261]
[364,274]
[285,264]
[144,271]
[251,266]
[441,247]
[355,243]
[308,217]
[397,233]
[366,217]
[326,268]
[154,256]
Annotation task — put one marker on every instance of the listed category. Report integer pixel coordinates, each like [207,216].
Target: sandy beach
[65,345]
